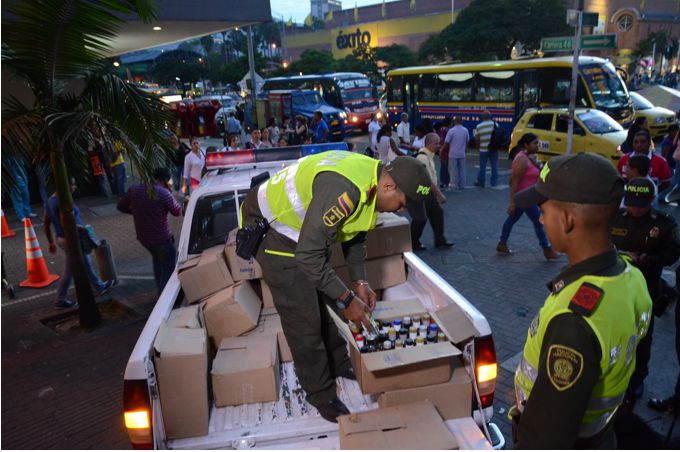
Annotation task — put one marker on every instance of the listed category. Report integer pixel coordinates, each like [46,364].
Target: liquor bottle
[432,332]
[420,341]
[403,334]
[386,325]
[392,334]
[416,321]
[407,322]
[413,332]
[360,340]
[387,345]
[441,337]
[396,324]
[426,320]
[398,343]
[422,331]
[409,342]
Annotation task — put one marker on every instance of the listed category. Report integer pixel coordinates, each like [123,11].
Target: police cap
[583,178]
[411,177]
[640,192]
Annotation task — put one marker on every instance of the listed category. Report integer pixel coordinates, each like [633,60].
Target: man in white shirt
[483,133]
[404,132]
[193,167]
[457,139]
[430,208]
[373,129]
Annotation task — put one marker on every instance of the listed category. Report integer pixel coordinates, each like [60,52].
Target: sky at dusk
[299,9]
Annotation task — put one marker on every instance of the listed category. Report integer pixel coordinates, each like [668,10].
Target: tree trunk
[87,305]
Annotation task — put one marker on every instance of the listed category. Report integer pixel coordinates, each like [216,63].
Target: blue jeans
[21,199]
[177,178]
[492,157]
[674,181]
[119,178]
[457,171]
[534,214]
[164,256]
[67,276]
[444,176]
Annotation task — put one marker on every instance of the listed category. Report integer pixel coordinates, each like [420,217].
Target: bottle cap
[397,324]
[398,343]
[420,341]
[387,345]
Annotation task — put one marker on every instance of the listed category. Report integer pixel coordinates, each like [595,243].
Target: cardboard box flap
[185,317]
[179,341]
[454,323]
[388,419]
[401,357]
[343,327]
[237,354]
[248,299]
[189,263]
[389,310]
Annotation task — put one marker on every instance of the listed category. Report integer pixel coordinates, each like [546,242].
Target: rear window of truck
[214,217]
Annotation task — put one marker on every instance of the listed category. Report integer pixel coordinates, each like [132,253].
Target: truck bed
[293,423]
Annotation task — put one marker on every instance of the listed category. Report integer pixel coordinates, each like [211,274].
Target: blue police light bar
[248,157]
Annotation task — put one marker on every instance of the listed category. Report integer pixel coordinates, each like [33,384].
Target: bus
[349,91]
[504,89]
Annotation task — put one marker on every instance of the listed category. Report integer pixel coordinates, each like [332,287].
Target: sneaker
[106,287]
[418,247]
[550,254]
[502,248]
[32,215]
[66,304]
[479,184]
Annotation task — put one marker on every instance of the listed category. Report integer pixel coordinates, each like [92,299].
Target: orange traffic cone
[38,276]
[6,231]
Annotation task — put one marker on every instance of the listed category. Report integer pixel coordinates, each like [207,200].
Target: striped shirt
[483,131]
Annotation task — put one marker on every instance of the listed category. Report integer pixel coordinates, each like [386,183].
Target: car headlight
[659,120]
[354,119]
[378,115]
[343,114]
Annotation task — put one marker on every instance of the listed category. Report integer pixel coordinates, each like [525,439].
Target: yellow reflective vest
[285,197]
[619,321]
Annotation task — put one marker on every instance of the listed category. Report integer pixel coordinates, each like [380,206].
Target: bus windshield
[598,122]
[313,98]
[605,86]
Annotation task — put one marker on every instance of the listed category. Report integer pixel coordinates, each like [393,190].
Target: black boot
[332,409]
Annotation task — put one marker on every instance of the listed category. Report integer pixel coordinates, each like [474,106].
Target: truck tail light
[137,413]
[486,369]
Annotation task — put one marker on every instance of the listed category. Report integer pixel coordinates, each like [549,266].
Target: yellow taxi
[594,131]
[659,119]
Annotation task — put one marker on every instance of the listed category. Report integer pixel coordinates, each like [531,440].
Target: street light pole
[574,78]
[452,8]
[251,65]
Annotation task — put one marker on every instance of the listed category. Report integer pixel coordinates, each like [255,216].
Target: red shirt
[659,170]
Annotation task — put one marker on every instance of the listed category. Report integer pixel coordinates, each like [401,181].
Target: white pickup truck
[290,423]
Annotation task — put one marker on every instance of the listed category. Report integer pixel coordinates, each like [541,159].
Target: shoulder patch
[620,232]
[565,366]
[586,299]
[345,203]
[333,216]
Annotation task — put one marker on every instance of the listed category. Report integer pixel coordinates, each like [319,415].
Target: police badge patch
[333,216]
[565,366]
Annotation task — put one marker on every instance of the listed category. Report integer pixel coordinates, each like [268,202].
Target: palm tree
[57,47]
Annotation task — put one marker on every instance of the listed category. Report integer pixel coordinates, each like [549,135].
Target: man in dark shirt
[180,151]
[150,215]
[320,128]
[652,240]
[580,348]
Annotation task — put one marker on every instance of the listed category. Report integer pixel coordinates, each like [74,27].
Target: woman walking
[525,172]
[387,147]
[193,166]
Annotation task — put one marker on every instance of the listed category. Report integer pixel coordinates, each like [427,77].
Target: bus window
[605,86]
[455,87]
[541,121]
[555,86]
[496,86]
[427,88]
[395,89]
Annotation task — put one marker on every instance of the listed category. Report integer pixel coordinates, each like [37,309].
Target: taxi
[594,131]
[659,119]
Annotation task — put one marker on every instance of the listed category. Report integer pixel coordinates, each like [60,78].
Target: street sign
[598,41]
[588,42]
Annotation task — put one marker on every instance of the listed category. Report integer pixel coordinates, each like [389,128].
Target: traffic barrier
[38,276]
[6,231]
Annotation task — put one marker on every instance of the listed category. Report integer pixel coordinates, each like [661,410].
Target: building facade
[407,22]
[320,8]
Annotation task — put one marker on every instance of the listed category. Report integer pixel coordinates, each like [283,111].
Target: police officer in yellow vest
[325,198]
[580,348]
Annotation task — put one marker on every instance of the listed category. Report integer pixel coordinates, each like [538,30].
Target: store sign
[352,40]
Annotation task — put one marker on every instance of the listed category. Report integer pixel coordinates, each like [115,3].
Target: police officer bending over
[652,241]
[322,199]
[580,348]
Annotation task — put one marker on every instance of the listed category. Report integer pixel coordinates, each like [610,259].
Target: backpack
[499,138]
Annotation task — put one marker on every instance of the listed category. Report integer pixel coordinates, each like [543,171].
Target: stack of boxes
[232,318]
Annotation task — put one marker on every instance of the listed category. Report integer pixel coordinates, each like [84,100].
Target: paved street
[62,387]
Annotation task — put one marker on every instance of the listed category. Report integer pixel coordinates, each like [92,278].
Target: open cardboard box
[205,274]
[402,368]
[381,273]
[231,311]
[270,323]
[246,370]
[415,426]
[181,361]
[187,317]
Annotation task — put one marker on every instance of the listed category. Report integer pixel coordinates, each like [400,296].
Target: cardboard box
[231,312]
[267,298]
[416,426]
[392,235]
[185,317]
[205,274]
[380,273]
[181,360]
[246,370]
[399,368]
[452,399]
[241,269]
[270,323]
